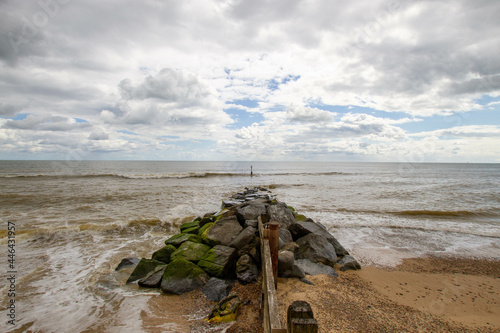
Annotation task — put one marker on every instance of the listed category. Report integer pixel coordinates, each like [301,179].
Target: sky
[284,80]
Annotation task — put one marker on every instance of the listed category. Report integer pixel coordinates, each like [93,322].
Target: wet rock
[222,232]
[182,276]
[243,238]
[219,261]
[153,279]
[246,269]
[164,253]
[127,262]
[216,289]
[317,249]
[226,310]
[313,268]
[348,262]
[178,239]
[282,214]
[143,268]
[191,251]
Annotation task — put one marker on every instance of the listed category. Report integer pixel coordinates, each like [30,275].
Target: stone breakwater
[214,251]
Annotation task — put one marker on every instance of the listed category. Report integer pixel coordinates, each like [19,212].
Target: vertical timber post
[274,235]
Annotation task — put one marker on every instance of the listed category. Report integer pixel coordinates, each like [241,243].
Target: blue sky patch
[243,118]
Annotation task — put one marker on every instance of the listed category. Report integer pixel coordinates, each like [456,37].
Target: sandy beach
[420,295]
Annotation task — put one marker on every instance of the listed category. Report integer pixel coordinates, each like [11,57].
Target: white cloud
[174,73]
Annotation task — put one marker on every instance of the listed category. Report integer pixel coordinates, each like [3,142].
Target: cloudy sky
[366,80]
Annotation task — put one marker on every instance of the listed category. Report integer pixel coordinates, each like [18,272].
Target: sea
[75,220]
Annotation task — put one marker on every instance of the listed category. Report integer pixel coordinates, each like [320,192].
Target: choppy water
[76,220]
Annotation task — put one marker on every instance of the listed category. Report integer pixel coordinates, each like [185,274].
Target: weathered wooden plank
[271,314]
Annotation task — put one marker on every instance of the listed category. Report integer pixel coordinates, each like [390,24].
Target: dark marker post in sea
[251,170]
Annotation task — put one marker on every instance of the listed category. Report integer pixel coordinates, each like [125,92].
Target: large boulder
[191,251]
[216,289]
[143,268]
[164,253]
[313,268]
[178,239]
[246,269]
[219,261]
[243,238]
[153,279]
[182,276]
[222,232]
[317,249]
[348,262]
[251,211]
[282,214]
[301,229]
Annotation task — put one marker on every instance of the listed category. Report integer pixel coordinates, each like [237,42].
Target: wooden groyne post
[272,322]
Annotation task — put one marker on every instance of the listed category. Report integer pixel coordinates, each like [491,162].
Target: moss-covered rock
[204,228]
[178,239]
[143,268]
[190,225]
[300,217]
[164,253]
[205,220]
[193,230]
[191,251]
[219,261]
[182,276]
[153,279]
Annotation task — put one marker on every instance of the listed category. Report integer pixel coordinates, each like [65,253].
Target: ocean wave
[168,175]
[429,213]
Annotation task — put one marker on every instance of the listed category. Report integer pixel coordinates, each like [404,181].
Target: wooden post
[301,319]
[274,234]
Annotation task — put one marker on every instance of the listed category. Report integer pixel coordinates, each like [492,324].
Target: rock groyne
[214,251]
